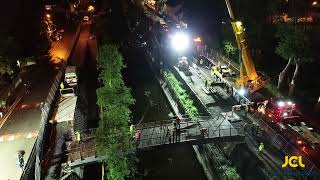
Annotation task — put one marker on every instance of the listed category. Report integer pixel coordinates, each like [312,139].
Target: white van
[85,18]
[70,76]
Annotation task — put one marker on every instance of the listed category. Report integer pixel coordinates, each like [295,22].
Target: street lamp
[90,8]
[314,3]
[197,39]
[180,41]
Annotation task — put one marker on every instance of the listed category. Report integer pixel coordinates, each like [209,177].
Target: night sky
[21,19]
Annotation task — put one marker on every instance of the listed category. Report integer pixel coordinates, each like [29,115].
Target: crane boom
[229,9]
[256,81]
[242,45]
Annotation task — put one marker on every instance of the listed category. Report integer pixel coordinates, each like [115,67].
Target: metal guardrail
[158,138]
[170,121]
[82,150]
[26,175]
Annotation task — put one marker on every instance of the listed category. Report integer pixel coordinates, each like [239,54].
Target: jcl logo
[293,161]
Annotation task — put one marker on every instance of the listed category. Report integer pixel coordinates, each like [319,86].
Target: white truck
[70,76]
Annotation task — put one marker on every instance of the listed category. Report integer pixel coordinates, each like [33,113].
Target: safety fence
[81,150]
[33,168]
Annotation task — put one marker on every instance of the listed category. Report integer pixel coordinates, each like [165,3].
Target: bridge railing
[184,120]
[82,151]
[87,133]
[162,137]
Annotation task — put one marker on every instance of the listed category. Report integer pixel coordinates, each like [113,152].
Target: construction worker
[177,129]
[132,129]
[171,129]
[77,136]
[261,148]
[61,85]
[137,136]
[209,85]
[201,61]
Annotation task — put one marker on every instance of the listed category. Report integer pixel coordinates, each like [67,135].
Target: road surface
[21,128]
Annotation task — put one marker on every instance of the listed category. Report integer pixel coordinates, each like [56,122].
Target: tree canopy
[293,46]
[293,43]
[229,48]
[113,136]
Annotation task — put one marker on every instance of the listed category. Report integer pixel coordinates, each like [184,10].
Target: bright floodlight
[280,103]
[285,114]
[180,41]
[242,91]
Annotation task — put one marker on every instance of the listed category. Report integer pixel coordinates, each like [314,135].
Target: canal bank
[174,162]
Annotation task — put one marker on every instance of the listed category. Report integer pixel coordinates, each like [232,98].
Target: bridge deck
[217,128]
[162,133]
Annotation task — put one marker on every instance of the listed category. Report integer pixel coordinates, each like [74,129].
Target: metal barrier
[26,175]
[81,150]
[196,133]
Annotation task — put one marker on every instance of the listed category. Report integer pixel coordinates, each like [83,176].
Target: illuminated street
[21,128]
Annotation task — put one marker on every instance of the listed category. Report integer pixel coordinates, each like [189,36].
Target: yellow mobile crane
[253,80]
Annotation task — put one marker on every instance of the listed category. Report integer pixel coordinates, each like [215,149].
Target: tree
[3,103]
[231,173]
[114,98]
[229,48]
[5,66]
[294,47]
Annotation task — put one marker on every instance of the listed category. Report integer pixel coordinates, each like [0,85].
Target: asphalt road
[79,53]
[21,128]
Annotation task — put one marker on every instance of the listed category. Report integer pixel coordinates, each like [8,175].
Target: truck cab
[70,76]
[278,110]
[226,71]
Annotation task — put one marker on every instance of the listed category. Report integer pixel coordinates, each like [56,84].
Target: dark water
[139,77]
[175,162]
[86,108]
